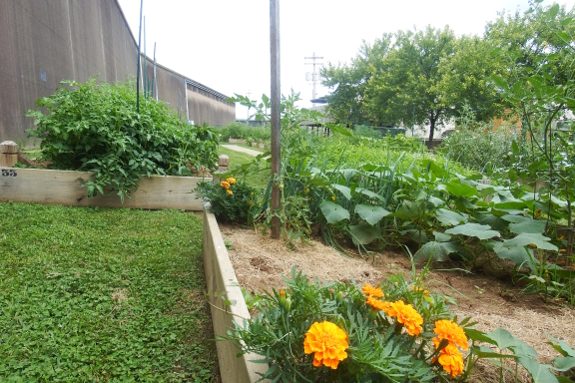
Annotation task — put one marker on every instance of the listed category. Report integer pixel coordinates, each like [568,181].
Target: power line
[314,76]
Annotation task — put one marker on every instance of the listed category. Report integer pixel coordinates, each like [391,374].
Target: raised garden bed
[259,263]
[64,187]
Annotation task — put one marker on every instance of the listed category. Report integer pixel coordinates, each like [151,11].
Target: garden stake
[275,113]
[138,66]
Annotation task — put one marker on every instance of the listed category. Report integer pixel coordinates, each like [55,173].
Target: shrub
[243,131]
[479,149]
[231,200]
[95,127]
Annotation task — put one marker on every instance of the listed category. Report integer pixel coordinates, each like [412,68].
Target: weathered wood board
[62,187]
[221,280]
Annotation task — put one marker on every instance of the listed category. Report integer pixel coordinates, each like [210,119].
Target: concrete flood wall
[46,41]
[221,280]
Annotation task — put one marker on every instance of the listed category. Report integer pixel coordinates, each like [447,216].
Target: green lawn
[94,295]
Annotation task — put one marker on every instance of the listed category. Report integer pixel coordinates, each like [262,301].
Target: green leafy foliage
[92,294]
[95,127]
[243,131]
[230,200]
[522,353]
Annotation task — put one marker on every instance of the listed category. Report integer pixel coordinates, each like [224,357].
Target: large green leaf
[369,193]
[364,233]
[474,230]
[513,218]
[528,225]
[501,338]
[458,189]
[344,190]
[562,347]
[518,255]
[438,251]
[534,239]
[477,336]
[539,372]
[441,237]
[523,349]
[333,212]
[406,210]
[564,363]
[451,218]
[496,223]
[370,213]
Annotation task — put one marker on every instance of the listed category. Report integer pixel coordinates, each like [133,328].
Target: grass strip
[259,177]
[96,294]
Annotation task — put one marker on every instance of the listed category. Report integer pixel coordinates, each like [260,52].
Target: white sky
[224,44]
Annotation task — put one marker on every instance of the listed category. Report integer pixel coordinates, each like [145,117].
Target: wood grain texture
[62,187]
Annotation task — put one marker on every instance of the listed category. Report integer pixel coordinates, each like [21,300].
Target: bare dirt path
[237,148]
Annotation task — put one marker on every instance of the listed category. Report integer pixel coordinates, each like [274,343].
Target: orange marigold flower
[450,358]
[446,329]
[406,315]
[372,291]
[231,180]
[229,192]
[376,303]
[328,342]
[225,184]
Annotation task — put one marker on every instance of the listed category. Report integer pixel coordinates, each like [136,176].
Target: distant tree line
[431,76]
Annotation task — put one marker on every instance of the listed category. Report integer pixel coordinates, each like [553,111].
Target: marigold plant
[327,342]
[377,304]
[446,329]
[230,200]
[406,315]
[450,358]
[372,291]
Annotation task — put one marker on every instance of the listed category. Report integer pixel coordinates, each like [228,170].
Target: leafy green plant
[239,130]
[480,149]
[230,200]
[95,127]
[566,362]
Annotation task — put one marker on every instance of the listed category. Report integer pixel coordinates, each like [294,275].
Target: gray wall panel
[46,41]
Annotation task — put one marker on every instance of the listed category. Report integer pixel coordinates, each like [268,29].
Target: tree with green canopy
[426,75]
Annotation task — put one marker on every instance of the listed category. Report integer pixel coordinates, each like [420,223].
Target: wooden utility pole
[275,113]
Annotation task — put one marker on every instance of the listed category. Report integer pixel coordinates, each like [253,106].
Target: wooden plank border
[63,187]
[221,281]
